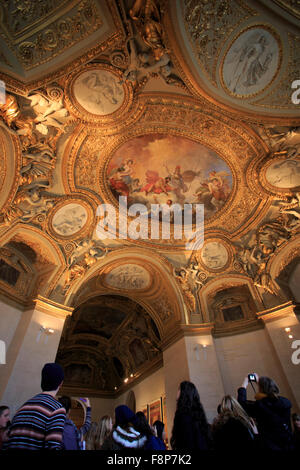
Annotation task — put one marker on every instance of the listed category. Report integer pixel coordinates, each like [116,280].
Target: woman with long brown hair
[190,429]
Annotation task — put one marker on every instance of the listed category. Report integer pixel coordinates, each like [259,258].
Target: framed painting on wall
[155,411]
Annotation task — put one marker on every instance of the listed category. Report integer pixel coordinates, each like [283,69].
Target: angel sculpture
[187,287]
[289,208]
[54,115]
[262,278]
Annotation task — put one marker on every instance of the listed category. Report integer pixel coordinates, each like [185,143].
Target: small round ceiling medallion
[214,255]
[99,92]
[69,219]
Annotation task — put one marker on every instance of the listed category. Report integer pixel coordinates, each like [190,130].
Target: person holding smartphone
[271,412]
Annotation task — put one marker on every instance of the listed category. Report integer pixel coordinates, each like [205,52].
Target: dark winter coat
[187,434]
[230,432]
[273,418]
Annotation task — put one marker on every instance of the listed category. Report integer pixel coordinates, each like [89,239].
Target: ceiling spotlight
[115,388]
[131,375]
[126,380]
[287,329]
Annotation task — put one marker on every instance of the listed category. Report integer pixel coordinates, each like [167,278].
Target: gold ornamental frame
[83,231]
[93,119]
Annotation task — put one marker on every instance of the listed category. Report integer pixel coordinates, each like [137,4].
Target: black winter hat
[52,376]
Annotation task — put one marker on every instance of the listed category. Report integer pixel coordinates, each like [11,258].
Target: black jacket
[188,435]
[273,418]
[230,433]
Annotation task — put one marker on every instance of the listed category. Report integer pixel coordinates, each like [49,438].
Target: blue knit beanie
[52,376]
[124,415]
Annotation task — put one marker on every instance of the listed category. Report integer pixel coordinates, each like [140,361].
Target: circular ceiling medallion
[69,218]
[129,277]
[251,62]
[166,169]
[99,92]
[214,255]
[284,173]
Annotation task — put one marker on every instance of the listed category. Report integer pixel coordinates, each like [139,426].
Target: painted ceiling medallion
[129,277]
[284,173]
[251,62]
[166,169]
[214,255]
[99,92]
[69,219]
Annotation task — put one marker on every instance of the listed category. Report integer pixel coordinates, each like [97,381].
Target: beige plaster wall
[101,407]
[147,391]
[294,283]
[175,371]
[9,318]
[26,357]
[205,372]
[283,345]
[241,354]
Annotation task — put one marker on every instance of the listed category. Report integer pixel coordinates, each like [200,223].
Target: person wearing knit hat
[39,423]
[52,377]
[124,434]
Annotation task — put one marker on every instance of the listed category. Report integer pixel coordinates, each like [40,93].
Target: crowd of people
[43,422]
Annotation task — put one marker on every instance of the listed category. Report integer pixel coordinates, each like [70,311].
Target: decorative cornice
[280,311]
[52,308]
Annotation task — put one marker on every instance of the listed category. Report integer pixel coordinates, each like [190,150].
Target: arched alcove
[110,340]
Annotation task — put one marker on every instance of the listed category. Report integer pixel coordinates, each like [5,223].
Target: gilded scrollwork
[208,25]
[60,34]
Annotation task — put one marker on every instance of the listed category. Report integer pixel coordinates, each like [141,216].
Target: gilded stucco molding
[281,96]
[54,309]
[208,24]
[234,111]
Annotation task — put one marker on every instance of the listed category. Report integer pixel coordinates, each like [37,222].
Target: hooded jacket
[273,417]
[122,438]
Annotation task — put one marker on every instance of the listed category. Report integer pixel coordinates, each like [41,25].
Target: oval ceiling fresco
[165,169]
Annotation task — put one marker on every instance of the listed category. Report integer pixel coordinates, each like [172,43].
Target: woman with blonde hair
[233,428]
[103,431]
[90,436]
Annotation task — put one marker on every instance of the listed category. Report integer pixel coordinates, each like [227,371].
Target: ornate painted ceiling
[161,102]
